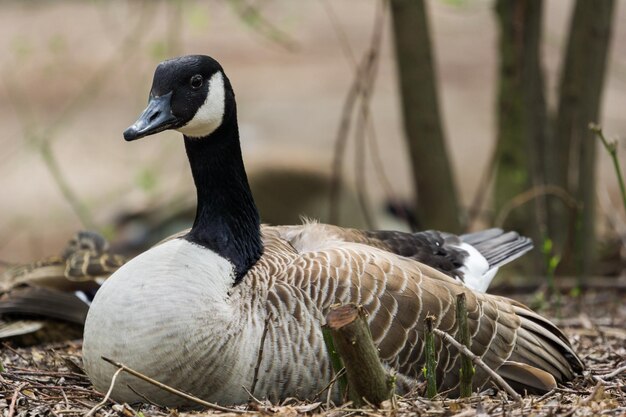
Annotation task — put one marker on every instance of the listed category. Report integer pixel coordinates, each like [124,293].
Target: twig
[146,399]
[169,389]
[340,150]
[342,37]
[611,148]
[70,196]
[259,357]
[255,399]
[598,388]
[531,194]
[106,396]
[364,120]
[479,362]
[614,373]
[42,138]
[340,374]
[253,17]
[69,389]
[14,399]
[8,346]
[474,210]
[360,89]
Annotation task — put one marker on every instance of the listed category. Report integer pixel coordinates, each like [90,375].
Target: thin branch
[70,196]
[614,373]
[479,362]
[342,37]
[611,148]
[531,194]
[252,397]
[146,399]
[171,390]
[43,137]
[338,375]
[341,141]
[14,399]
[364,118]
[359,90]
[260,353]
[255,19]
[107,395]
[486,178]
[126,48]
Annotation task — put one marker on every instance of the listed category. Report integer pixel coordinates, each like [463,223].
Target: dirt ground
[78,80]
[48,379]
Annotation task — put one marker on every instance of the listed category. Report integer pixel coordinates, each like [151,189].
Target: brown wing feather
[398,293]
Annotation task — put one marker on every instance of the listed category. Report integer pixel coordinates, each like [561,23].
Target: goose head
[192,95]
[189,94]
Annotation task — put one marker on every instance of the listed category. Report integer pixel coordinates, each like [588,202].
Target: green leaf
[547,245]
[554,262]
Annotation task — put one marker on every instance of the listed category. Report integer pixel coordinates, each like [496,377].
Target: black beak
[156,118]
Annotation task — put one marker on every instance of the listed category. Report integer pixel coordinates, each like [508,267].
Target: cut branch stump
[430,368]
[467,368]
[367,380]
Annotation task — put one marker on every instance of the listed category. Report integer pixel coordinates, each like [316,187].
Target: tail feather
[553,336]
[19,328]
[523,377]
[540,344]
[498,247]
[44,302]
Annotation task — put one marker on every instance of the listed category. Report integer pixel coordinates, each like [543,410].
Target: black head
[189,94]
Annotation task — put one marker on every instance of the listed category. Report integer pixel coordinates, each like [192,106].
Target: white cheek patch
[209,116]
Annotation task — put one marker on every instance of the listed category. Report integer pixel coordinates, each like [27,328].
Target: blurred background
[447,114]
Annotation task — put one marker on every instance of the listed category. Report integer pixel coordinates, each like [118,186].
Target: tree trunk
[522,117]
[582,79]
[437,205]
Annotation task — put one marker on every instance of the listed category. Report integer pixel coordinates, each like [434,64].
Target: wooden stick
[107,396]
[479,362]
[467,371]
[170,389]
[14,399]
[367,379]
[430,368]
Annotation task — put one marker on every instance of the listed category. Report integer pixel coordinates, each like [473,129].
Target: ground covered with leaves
[48,379]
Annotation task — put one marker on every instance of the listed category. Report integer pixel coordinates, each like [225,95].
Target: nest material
[48,380]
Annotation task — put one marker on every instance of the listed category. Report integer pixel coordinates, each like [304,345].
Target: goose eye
[196,81]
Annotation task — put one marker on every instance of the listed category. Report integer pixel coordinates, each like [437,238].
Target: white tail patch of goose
[209,116]
[476,272]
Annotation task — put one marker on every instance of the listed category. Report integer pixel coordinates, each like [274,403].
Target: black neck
[227,220]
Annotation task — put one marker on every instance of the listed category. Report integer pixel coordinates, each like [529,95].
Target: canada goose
[191,311]
[58,287]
